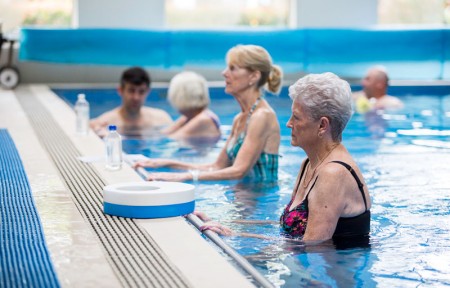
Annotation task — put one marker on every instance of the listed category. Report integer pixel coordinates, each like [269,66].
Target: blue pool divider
[407,54]
[24,257]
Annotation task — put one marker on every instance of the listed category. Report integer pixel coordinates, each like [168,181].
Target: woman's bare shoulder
[338,176]
[264,116]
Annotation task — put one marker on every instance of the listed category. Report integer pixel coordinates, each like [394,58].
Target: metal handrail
[241,261]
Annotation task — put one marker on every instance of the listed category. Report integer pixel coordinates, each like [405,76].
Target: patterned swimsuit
[266,167]
[294,222]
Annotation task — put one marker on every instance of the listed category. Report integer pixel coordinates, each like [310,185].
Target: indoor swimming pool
[404,156]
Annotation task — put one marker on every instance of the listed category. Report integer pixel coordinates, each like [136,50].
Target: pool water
[405,159]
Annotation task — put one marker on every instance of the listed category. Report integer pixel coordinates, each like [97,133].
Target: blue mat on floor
[24,257]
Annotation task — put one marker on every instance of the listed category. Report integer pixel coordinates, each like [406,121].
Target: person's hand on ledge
[168,176]
[217,227]
[202,216]
[152,163]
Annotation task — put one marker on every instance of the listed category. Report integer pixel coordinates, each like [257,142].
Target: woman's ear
[255,76]
[324,125]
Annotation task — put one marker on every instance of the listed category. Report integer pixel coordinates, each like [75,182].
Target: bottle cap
[112,127]
[81,96]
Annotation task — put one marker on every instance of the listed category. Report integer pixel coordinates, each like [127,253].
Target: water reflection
[409,187]
[253,200]
[286,262]
[329,264]
[153,144]
[376,123]
[334,268]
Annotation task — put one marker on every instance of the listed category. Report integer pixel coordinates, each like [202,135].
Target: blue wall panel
[208,48]
[414,54]
[446,54]
[407,54]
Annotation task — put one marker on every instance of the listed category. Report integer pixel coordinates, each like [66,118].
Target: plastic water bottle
[113,142]
[82,112]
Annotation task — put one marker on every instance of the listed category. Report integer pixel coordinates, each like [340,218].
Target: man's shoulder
[390,101]
[358,94]
[393,98]
[154,111]
[156,115]
[109,115]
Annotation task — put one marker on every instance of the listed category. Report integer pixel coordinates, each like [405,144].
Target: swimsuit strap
[360,184]
[252,110]
[213,118]
[301,176]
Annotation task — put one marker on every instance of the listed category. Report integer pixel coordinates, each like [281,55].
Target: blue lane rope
[24,257]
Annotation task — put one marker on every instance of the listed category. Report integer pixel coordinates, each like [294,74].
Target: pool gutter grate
[134,256]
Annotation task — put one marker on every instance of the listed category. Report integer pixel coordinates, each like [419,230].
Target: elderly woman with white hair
[188,93]
[330,199]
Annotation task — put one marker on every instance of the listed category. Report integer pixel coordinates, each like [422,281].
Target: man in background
[132,116]
[374,94]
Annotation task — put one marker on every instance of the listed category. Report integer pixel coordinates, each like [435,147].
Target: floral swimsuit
[293,222]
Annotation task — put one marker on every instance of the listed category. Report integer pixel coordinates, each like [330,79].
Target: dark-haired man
[132,116]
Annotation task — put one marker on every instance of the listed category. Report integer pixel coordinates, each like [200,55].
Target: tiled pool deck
[77,250]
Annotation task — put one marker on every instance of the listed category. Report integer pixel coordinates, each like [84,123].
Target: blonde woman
[251,150]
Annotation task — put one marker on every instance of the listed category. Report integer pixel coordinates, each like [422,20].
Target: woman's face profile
[303,129]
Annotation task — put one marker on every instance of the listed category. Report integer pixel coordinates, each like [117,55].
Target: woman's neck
[247,99]
[318,156]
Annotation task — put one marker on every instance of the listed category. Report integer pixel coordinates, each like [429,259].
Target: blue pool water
[405,159]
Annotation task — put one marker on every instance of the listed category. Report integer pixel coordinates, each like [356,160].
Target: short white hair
[325,95]
[188,90]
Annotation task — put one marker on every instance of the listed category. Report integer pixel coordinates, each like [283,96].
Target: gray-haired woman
[330,198]
[188,93]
